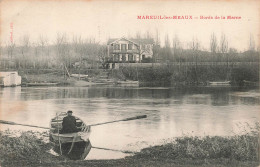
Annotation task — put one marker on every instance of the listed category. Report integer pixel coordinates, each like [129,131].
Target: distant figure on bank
[69,124]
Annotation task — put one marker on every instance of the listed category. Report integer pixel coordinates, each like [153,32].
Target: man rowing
[69,124]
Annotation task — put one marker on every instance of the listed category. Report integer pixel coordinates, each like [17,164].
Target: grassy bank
[190,75]
[54,75]
[26,149]
[240,150]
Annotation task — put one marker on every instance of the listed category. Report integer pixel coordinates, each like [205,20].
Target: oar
[109,149]
[126,119]
[13,123]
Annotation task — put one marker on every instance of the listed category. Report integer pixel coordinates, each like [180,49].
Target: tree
[176,45]
[156,47]
[138,35]
[251,43]
[10,49]
[177,51]
[44,48]
[194,45]
[157,37]
[166,50]
[213,43]
[24,49]
[167,41]
[102,52]
[223,51]
[223,45]
[148,34]
[224,48]
[63,52]
[233,53]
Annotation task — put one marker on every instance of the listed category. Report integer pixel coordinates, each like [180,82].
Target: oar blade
[137,117]
[126,119]
[13,123]
[6,122]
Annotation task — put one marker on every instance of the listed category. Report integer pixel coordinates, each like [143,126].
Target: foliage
[27,148]
[190,74]
[238,147]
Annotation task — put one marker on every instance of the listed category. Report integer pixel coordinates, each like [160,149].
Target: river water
[171,112]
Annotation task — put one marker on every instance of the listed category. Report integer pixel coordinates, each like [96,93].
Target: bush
[238,147]
[22,150]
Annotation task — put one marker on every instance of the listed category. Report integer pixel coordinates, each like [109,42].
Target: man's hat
[69,111]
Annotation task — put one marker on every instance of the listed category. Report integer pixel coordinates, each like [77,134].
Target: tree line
[64,52]
[80,53]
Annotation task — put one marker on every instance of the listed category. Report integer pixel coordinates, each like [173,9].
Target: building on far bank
[10,79]
[123,50]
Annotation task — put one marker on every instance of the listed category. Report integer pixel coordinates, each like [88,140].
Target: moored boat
[41,84]
[76,145]
[128,82]
[219,83]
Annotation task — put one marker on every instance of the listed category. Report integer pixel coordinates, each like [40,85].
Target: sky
[114,19]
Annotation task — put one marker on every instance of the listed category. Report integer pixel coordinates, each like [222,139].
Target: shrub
[27,148]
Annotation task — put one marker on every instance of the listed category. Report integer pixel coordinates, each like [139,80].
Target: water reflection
[171,112]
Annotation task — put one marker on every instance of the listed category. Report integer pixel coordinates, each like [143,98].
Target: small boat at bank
[75,146]
[128,82]
[250,83]
[41,84]
[220,83]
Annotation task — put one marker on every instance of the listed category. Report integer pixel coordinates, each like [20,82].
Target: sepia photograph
[129,83]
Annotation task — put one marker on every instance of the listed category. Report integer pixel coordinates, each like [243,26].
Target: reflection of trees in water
[11,93]
[250,100]
[170,110]
[220,99]
[154,96]
[199,99]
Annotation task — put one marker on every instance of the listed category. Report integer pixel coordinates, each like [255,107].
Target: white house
[122,50]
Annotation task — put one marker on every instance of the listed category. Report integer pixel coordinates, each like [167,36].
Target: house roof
[111,40]
[143,41]
[134,40]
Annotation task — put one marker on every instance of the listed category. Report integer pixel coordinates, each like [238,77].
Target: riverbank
[32,149]
[189,75]
[115,77]
[158,75]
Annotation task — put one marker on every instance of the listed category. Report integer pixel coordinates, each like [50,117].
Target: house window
[116,47]
[130,46]
[116,57]
[123,46]
[123,57]
[130,57]
[111,57]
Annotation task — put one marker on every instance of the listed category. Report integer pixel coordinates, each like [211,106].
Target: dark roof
[135,40]
[143,41]
[111,40]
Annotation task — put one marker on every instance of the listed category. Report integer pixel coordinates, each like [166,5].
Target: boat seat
[59,125]
[60,120]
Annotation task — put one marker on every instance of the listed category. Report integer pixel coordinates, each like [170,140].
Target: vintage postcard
[129,83]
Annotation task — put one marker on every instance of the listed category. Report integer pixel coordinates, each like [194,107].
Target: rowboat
[76,145]
[226,83]
[41,84]
[128,82]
